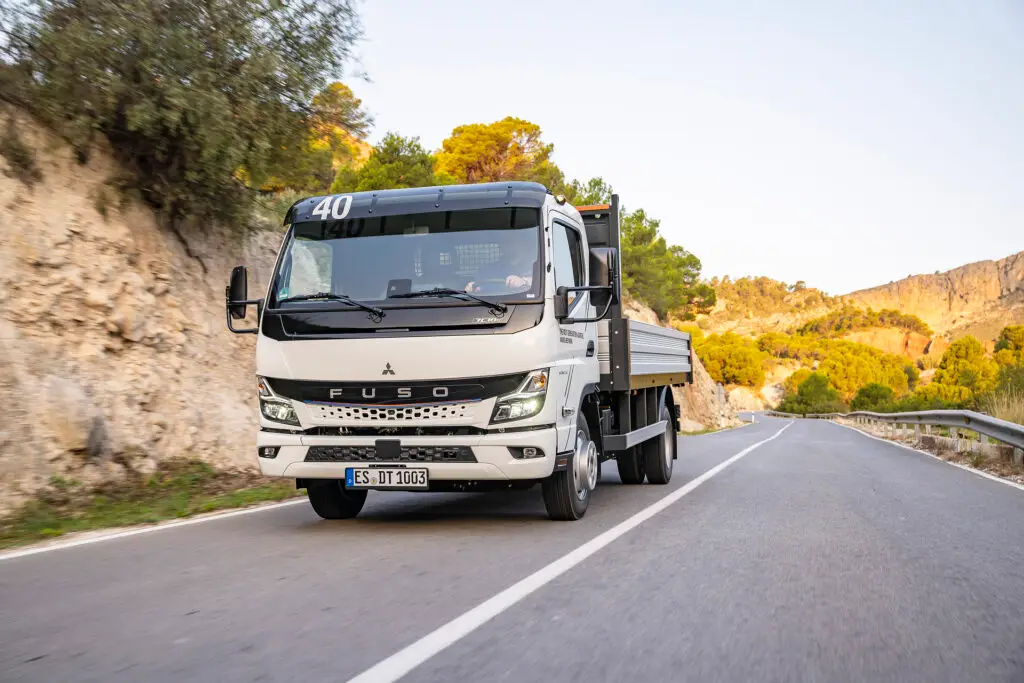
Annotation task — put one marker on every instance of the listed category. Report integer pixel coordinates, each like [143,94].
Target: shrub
[193,96]
[964,371]
[732,359]
[873,396]
[814,395]
[850,319]
[1010,346]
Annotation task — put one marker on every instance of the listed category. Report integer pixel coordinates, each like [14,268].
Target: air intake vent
[407,454]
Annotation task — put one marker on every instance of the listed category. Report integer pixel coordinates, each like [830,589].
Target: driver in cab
[514,267]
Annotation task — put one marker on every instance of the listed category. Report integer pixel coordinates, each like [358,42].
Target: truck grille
[408,454]
[371,413]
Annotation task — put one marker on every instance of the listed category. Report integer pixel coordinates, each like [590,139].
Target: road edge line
[957,465]
[408,658]
[137,530]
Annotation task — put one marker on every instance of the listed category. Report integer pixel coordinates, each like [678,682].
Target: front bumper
[494,460]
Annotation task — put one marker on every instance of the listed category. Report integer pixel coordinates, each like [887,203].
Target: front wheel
[567,492]
[331,500]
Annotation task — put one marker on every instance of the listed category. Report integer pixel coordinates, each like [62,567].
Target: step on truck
[457,338]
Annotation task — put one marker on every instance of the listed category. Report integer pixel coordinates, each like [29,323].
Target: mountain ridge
[978,298]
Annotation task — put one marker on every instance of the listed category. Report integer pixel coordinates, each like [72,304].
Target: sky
[845,144]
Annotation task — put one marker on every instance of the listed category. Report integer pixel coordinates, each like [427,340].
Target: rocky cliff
[978,298]
[113,350]
[910,345]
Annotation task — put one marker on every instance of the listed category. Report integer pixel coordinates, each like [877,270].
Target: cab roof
[419,200]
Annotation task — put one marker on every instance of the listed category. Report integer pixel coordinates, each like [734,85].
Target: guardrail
[1000,430]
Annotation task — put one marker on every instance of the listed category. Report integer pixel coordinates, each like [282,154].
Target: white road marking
[407,659]
[73,543]
[986,475]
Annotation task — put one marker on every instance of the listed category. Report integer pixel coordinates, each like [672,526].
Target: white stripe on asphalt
[980,473]
[407,659]
[34,550]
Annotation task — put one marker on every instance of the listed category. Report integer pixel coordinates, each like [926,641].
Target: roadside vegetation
[850,319]
[763,296]
[966,378]
[178,488]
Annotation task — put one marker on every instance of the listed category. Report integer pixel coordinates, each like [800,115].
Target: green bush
[964,372]
[849,319]
[1010,346]
[732,359]
[873,396]
[194,96]
[814,395]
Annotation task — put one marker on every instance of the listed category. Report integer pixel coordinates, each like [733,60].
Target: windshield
[490,252]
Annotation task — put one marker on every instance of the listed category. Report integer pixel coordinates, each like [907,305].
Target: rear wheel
[567,492]
[660,453]
[631,466]
[331,500]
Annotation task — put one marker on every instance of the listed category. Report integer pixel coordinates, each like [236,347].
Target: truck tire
[331,500]
[631,466]
[567,492]
[660,453]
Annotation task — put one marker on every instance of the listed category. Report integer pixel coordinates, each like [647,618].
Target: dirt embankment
[113,352]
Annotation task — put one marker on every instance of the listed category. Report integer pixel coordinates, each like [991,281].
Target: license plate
[386,478]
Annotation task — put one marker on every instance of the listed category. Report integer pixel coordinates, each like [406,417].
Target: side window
[576,253]
[310,269]
[568,259]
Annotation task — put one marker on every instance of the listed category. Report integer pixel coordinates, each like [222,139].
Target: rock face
[113,351]
[910,345]
[720,321]
[700,404]
[979,298]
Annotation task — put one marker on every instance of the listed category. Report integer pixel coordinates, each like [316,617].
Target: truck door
[576,368]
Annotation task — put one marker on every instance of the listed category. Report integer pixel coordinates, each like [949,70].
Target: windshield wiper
[495,306]
[377,313]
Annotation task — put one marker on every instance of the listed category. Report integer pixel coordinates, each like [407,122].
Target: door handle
[590,348]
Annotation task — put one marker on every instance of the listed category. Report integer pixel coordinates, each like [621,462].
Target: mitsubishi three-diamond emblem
[387,370]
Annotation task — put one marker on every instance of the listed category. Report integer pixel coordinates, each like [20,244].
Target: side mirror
[603,270]
[238,290]
[561,303]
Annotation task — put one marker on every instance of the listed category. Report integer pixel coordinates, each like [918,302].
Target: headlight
[272,407]
[526,401]
[278,411]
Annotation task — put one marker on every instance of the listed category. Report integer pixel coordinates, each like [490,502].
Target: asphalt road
[821,555]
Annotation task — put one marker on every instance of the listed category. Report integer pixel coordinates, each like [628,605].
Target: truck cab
[451,339]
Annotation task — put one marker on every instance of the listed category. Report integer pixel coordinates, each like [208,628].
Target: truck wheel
[567,493]
[331,500]
[631,466]
[659,454]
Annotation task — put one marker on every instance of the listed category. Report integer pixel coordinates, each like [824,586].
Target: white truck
[457,338]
